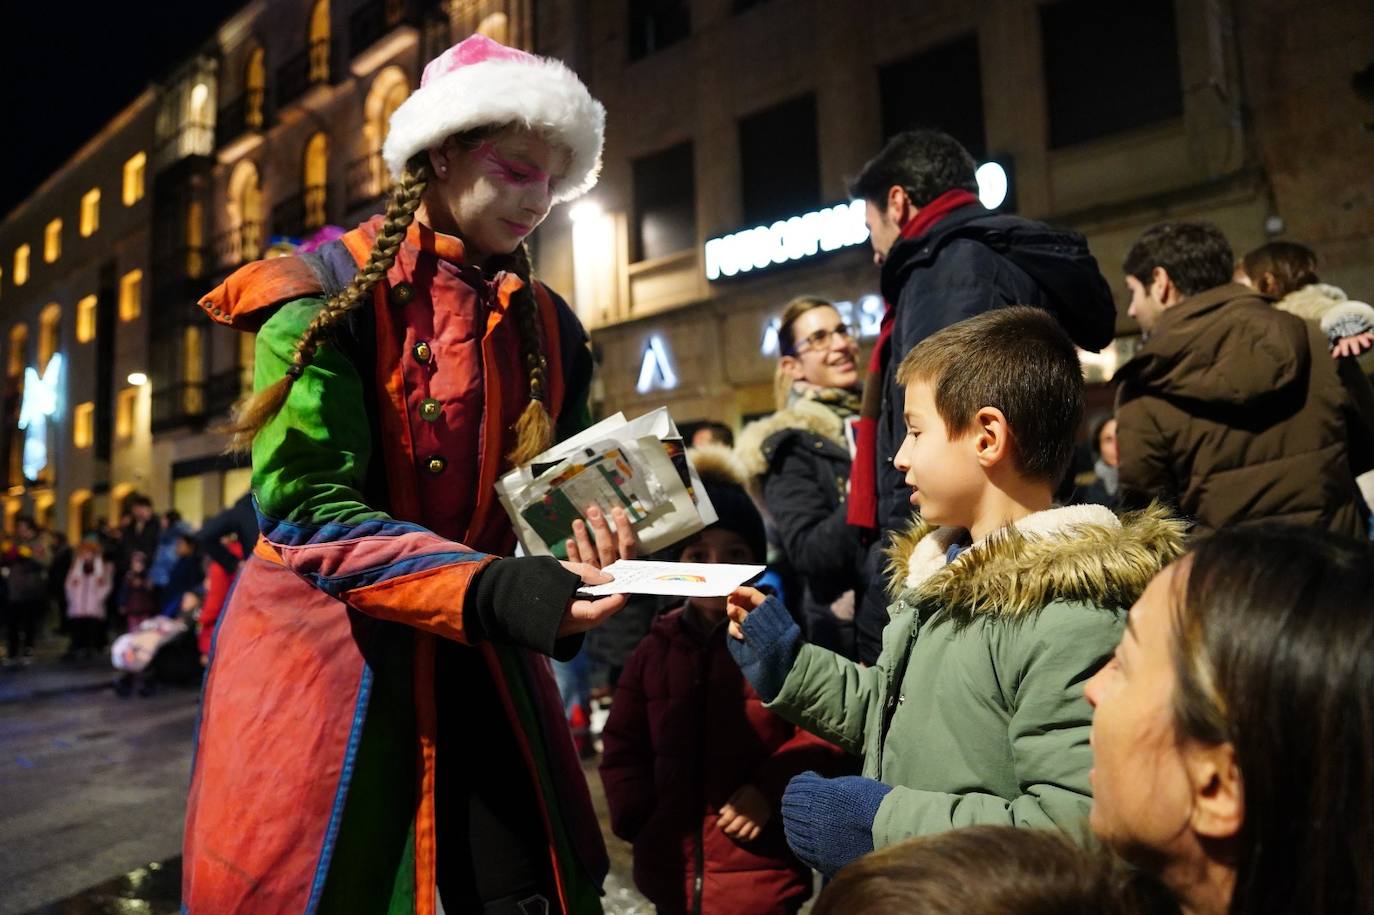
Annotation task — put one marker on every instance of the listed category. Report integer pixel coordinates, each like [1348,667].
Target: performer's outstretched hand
[584,613]
[600,547]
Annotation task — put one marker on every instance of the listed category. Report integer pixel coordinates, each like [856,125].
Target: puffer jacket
[974,712]
[1234,411]
[685,732]
[798,461]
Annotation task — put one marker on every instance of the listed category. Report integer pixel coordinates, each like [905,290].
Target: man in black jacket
[944,258]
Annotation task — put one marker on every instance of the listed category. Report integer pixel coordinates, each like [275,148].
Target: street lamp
[584,211]
[138,379]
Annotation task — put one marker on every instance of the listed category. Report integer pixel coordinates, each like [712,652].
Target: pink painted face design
[511,171]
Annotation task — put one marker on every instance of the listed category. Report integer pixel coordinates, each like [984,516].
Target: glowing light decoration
[992,184]
[830,229]
[656,371]
[40,402]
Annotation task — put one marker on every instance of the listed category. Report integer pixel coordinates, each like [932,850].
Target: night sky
[72,67]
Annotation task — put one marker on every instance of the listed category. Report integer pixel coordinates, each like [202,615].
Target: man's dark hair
[924,163]
[1018,360]
[173,516]
[1194,254]
[139,498]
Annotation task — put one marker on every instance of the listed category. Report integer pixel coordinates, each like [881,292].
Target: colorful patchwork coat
[313,782]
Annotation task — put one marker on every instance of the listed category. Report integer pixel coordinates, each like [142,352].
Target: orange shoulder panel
[247,298]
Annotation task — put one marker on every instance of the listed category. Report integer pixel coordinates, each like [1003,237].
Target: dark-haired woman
[1233,730]
[378,720]
[799,459]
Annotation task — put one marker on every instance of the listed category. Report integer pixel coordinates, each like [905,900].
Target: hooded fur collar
[806,415]
[1075,553]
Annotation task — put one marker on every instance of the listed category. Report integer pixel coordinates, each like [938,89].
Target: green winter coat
[974,712]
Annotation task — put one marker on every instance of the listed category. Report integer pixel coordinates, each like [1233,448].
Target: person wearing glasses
[799,459]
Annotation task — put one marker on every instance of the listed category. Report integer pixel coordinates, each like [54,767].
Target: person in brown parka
[1232,410]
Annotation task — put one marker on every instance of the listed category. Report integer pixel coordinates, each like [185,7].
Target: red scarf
[863,474]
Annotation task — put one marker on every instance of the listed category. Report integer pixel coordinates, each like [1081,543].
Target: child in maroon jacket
[694,766]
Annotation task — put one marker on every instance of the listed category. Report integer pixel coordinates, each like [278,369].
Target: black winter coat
[799,460]
[970,262]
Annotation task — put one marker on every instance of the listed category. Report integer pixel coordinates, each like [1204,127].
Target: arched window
[388,91]
[193,370]
[254,87]
[80,517]
[316,180]
[244,207]
[49,333]
[19,349]
[319,42]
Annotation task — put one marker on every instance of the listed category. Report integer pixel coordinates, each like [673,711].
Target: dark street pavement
[93,792]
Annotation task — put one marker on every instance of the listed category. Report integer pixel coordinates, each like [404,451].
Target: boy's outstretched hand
[739,605]
[745,814]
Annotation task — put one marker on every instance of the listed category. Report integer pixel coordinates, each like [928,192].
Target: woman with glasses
[799,462]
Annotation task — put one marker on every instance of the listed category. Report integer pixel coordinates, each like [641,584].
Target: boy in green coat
[1004,606]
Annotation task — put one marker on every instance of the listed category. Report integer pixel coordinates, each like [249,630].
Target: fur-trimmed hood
[803,415]
[1327,305]
[1075,553]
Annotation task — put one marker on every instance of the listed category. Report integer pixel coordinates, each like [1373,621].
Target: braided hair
[258,409]
[534,428]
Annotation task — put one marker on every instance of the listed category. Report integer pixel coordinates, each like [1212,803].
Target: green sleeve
[1042,666]
[830,696]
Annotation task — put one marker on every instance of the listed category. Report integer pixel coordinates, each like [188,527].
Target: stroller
[160,650]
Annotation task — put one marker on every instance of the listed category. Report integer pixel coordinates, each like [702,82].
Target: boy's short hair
[992,870]
[1018,360]
[1196,255]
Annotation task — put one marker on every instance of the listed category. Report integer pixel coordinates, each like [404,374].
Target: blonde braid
[534,428]
[258,409]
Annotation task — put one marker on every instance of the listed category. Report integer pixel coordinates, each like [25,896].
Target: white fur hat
[480,81]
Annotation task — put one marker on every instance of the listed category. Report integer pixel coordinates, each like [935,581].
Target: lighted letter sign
[40,402]
[655,371]
[830,229]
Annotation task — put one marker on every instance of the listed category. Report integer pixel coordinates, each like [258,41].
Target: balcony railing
[191,138]
[306,69]
[372,21]
[243,114]
[180,404]
[221,392]
[178,279]
[238,246]
[368,180]
[301,214]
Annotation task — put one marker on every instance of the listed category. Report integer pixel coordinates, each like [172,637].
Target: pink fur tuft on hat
[480,81]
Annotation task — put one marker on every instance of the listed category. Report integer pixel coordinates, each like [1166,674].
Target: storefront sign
[655,371]
[40,402]
[830,229]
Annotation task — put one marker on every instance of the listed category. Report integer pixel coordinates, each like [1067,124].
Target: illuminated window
[193,369]
[80,518]
[316,180]
[319,42]
[21,265]
[126,403]
[49,333]
[133,178]
[52,241]
[195,239]
[90,212]
[247,357]
[42,508]
[19,345]
[254,84]
[131,295]
[85,319]
[83,425]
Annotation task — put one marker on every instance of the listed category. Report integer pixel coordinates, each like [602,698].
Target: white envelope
[673,579]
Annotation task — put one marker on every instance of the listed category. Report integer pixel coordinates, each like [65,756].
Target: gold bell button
[430,409]
[436,465]
[402,293]
[423,353]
